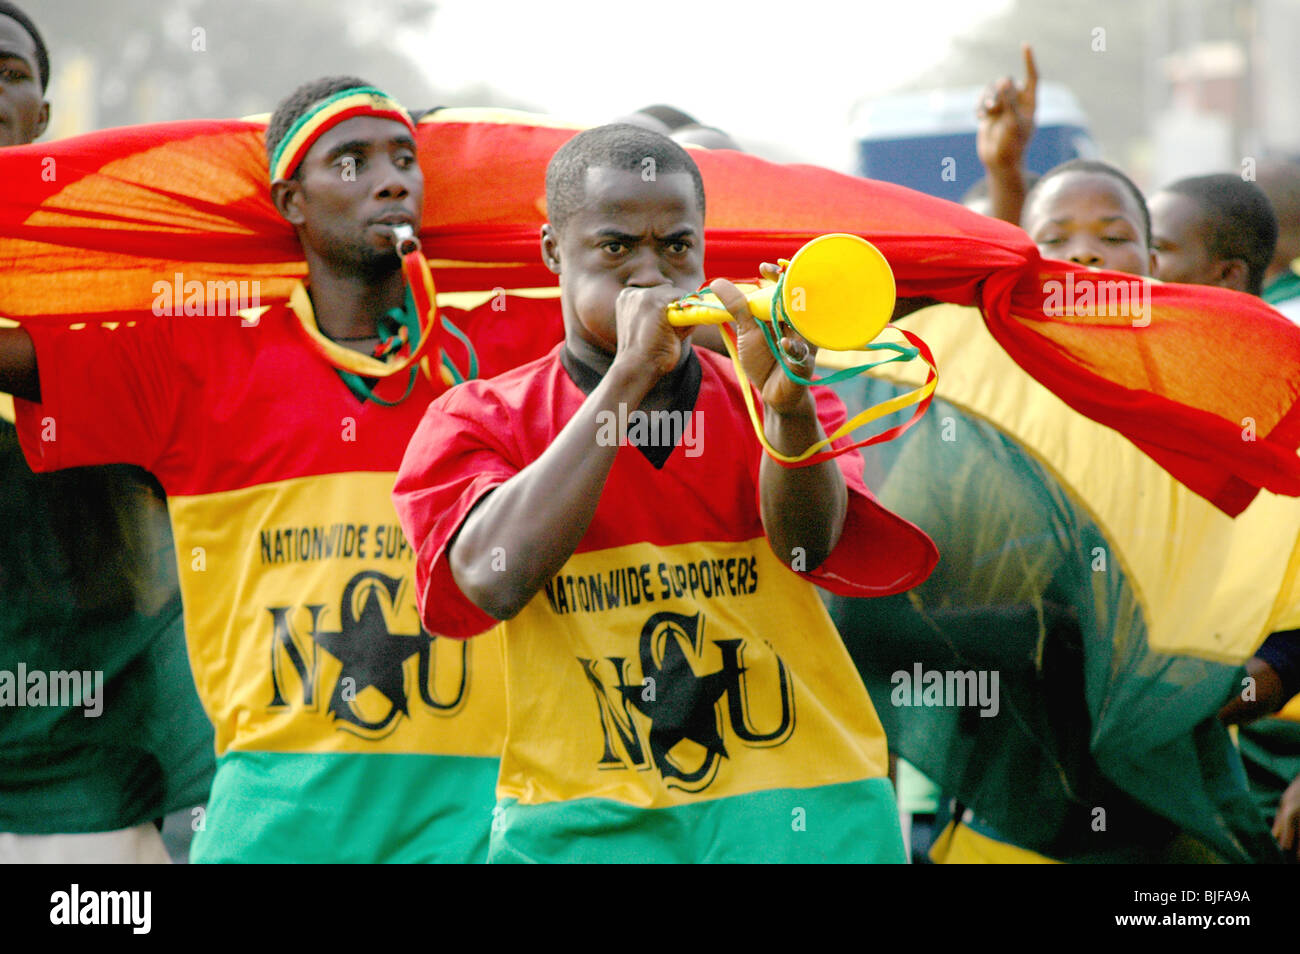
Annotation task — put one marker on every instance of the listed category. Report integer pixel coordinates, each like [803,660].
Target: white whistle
[405,240]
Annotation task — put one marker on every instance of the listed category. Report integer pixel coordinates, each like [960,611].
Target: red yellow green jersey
[345,730]
[675,692]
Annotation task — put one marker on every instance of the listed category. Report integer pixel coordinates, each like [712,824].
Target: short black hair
[614,146]
[298,102]
[42,55]
[670,116]
[1239,221]
[1097,167]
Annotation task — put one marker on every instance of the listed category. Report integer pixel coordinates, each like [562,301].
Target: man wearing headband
[344,730]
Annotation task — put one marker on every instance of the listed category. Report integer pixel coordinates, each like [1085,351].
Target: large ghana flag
[89,224]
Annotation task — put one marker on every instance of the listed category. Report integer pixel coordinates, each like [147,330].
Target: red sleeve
[457,456]
[108,396]
[878,552]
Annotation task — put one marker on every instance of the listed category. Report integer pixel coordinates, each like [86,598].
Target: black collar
[683,382]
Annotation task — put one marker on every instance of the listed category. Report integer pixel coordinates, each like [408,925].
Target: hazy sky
[786,72]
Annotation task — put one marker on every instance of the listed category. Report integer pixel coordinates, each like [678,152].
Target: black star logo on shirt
[680,704]
[370,654]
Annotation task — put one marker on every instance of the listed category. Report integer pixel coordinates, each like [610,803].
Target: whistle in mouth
[405,240]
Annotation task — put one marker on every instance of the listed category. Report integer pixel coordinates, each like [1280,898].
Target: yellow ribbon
[912,397]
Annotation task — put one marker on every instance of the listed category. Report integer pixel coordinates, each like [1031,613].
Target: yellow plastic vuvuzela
[838,293]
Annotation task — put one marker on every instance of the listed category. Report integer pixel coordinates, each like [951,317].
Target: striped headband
[328,113]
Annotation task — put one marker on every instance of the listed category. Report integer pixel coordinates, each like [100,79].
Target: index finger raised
[1031,73]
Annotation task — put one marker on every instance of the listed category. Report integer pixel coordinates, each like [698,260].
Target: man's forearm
[1006,194]
[803,508]
[18,365]
[538,517]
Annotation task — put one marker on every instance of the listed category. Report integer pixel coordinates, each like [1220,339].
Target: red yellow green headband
[325,115]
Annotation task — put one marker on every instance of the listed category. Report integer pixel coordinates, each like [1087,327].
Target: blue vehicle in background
[926,140]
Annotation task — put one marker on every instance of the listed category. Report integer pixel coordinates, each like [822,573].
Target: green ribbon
[389,328]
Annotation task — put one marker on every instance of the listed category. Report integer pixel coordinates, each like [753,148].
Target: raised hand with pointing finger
[1006,125]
